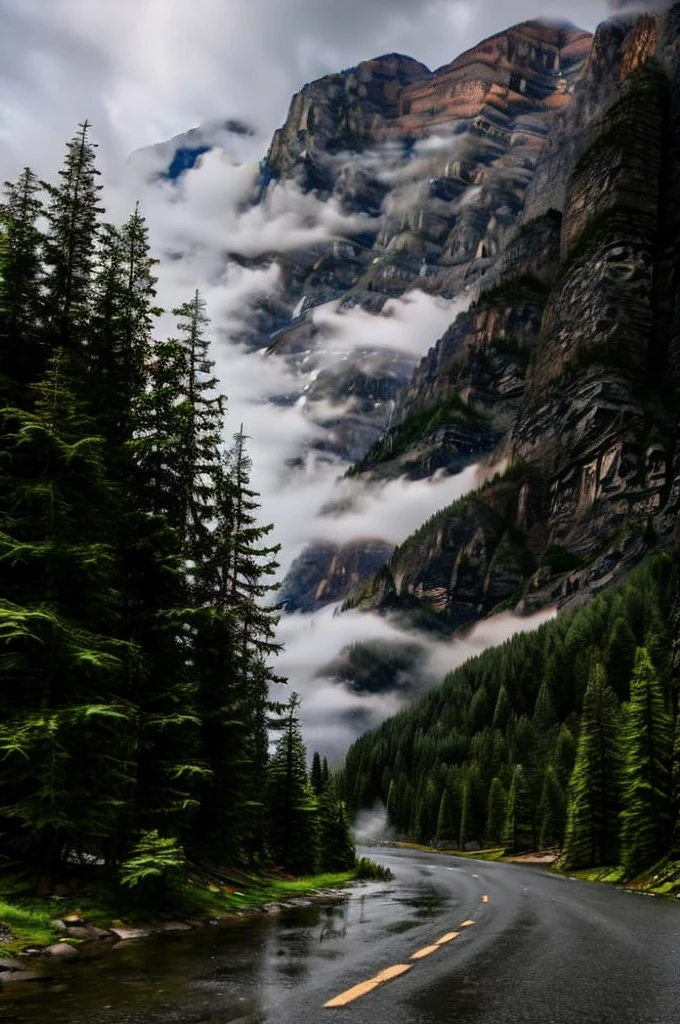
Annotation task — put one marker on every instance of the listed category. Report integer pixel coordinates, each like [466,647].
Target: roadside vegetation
[566,738]
[137,611]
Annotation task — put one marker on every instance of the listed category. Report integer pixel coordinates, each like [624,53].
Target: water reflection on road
[221,974]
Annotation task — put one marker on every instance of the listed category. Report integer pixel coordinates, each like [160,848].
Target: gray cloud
[143,70]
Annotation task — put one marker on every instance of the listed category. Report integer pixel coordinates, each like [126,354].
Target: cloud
[144,70]
[391,511]
[410,324]
[332,715]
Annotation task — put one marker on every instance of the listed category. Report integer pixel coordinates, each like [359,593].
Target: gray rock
[126,934]
[62,949]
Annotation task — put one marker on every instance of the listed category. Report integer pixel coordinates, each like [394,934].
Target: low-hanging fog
[201,227]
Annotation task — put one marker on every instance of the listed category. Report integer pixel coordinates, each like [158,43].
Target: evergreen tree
[446,829]
[22,348]
[72,214]
[317,774]
[293,808]
[66,770]
[648,743]
[594,791]
[517,835]
[336,843]
[503,710]
[496,813]
[553,810]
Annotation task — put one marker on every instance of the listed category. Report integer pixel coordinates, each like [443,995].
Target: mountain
[565,370]
[529,189]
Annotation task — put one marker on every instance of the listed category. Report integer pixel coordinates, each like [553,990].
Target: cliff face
[592,436]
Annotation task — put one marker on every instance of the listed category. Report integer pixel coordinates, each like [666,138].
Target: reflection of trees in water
[335,924]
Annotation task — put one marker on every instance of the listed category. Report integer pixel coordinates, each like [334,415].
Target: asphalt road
[542,950]
[497,944]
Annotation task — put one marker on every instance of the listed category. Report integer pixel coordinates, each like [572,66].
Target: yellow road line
[447,938]
[425,951]
[357,991]
[466,924]
[485,899]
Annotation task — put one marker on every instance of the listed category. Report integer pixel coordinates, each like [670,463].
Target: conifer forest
[137,610]
[566,738]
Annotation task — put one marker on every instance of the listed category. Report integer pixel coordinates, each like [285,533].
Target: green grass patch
[30,918]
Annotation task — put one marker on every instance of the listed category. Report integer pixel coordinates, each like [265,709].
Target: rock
[175,926]
[75,919]
[7,964]
[61,949]
[10,977]
[125,934]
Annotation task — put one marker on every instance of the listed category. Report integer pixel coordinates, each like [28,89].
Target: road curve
[507,944]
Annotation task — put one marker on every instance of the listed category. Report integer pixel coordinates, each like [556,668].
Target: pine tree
[594,792]
[72,215]
[66,769]
[293,809]
[553,810]
[446,828]
[336,843]
[496,813]
[518,835]
[22,348]
[648,745]
[503,710]
[317,774]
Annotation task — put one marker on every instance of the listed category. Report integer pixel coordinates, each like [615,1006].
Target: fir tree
[22,346]
[648,743]
[594,791]
[496,813]
[552,812]
[72,214]
[293,808]
[66,770]
[517,835]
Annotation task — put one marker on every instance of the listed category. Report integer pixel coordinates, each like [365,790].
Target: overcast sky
[143,70]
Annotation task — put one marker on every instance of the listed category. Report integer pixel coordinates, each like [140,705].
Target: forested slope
[569,737]
[136,611]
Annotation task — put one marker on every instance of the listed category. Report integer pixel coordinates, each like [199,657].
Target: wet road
[499,944]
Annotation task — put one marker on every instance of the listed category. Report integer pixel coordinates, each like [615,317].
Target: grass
[663,879]
[492,853]
[32,919]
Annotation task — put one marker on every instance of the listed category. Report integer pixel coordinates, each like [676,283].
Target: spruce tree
[647,784]
[518,835]
[22,345]
[552,812]
[293,812]
[72,213]
[594,792]
[67,767]
[446,829]
[496,813]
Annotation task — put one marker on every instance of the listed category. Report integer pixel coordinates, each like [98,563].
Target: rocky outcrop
[592,440]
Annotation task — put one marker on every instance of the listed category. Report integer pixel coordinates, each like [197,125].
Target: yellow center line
[466,924]
[357,991]
[425,951]
[447,938]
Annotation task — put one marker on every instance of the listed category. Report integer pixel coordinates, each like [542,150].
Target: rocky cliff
[592,439]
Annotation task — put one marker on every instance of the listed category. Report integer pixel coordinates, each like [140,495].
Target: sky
[144,70]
